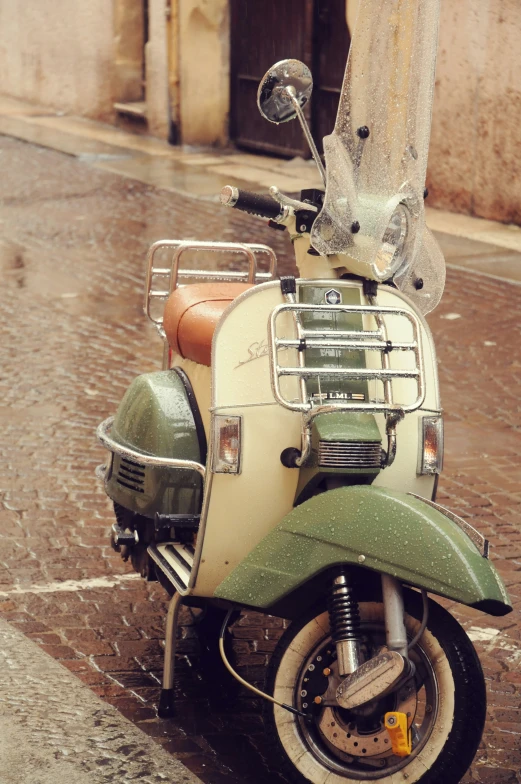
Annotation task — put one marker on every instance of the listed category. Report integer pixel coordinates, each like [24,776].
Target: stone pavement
[54,730]
[73,242]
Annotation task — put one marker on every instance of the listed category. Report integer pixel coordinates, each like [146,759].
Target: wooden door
[265,31]
[331,46]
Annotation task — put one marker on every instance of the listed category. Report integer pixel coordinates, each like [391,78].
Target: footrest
[175,560]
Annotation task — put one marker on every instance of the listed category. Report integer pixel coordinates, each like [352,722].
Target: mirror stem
[307,133]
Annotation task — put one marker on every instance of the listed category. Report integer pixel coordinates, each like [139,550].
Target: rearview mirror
[285,81]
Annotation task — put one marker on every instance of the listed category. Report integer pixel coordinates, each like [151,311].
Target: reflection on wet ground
[482,257]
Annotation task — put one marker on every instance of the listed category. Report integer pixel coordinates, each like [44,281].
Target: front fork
[345,630]
[345,624]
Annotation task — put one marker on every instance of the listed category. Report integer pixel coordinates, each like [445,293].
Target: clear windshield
[376,157]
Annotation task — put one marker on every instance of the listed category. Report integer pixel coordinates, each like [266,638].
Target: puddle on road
[171,175]
[19,267]
[31,271]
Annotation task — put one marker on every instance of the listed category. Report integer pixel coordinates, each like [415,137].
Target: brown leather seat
[192,313]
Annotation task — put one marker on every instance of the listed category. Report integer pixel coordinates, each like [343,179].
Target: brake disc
[340,728]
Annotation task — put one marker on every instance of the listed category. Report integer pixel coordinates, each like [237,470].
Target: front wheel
[445,703]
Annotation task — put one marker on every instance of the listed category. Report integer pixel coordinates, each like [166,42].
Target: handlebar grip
[254,203]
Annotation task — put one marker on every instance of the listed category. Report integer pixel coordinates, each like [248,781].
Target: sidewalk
[54,730]
[483,246]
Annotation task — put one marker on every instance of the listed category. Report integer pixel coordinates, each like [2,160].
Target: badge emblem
[333,297]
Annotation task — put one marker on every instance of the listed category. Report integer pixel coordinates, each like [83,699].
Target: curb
[54,730]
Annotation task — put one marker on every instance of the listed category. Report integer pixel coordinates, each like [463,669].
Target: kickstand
[166,707]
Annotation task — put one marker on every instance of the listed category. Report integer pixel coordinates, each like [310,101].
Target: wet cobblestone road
[72,336]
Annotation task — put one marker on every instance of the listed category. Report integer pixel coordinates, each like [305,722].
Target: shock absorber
[344,620]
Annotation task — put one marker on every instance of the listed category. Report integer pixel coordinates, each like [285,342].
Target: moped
[286,457]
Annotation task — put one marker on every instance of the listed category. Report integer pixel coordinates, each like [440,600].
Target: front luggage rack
[339,340]
[335,342]
[162,280]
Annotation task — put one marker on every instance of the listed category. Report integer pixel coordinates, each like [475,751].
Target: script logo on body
[255,351]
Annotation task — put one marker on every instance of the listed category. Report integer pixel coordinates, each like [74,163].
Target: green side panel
[155,418]
[384,530]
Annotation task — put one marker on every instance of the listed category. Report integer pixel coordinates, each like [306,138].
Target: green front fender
[381,529]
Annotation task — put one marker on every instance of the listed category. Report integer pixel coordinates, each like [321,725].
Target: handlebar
[253,203]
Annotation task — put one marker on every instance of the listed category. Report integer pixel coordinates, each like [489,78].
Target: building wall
[129,42]
[81,57]
[59,53]
[475,155]
[475,152]
[156,58]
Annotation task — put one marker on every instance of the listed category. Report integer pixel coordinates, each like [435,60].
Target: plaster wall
[204,71]
[475,155]
[129,37]
[58,53]
[156,58]
[475,152]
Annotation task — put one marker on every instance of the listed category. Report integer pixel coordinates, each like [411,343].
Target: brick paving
[72,336]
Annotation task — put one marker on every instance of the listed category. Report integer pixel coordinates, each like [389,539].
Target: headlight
[431,445]
[390,253]
[227,444]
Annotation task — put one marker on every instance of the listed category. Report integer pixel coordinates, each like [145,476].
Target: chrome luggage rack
[170,277]
[339,340]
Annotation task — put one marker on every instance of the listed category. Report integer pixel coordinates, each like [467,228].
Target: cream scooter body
[240,384]
[294,471]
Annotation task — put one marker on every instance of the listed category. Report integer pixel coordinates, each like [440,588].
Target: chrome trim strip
[240,406]
[108,442]
[476,538]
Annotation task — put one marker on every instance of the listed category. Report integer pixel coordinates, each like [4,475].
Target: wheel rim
[355,744]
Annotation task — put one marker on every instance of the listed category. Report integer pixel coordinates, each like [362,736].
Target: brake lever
[287,201]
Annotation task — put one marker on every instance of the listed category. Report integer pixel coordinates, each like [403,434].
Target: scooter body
[237,515]
[286,456]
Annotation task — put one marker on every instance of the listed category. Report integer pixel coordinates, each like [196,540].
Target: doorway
[131,28]
[314,31]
